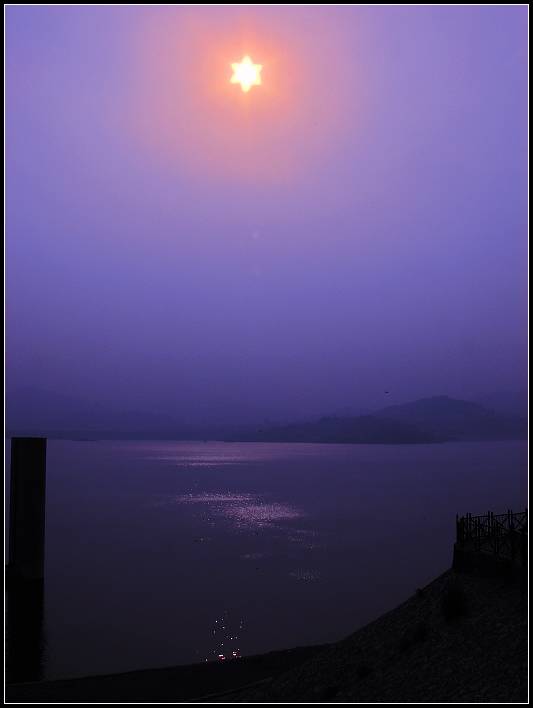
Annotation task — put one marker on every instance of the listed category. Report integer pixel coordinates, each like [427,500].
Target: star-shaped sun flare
[246,73]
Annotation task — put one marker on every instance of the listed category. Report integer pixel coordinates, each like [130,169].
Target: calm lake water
[161,553]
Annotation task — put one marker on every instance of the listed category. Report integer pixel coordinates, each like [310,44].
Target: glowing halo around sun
[257,88]
[246,73]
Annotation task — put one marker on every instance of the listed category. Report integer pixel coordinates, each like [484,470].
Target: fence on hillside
[500,535]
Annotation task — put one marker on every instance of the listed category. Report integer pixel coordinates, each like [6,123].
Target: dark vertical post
[457,550]
[27,508]
[523,542]
[24,630]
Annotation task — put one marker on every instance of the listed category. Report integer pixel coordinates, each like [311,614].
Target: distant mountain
[36,411]
[455,419]
[426,420]
[41,412]
[359,429]
[509,403]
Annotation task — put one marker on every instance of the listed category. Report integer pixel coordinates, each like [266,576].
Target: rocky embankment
[463,638]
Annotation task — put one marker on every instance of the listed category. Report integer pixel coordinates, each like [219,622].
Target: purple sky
[357,224]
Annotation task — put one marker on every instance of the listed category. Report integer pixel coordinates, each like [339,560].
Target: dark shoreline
[177,683]
[416,652]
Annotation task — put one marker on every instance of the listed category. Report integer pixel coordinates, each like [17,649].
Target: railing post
[512,535]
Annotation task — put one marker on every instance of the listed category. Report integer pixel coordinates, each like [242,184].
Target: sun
[246,73]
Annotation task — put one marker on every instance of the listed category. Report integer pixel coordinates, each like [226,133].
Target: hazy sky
[356,224]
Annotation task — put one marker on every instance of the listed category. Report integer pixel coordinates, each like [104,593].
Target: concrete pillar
[27,508]
[24,630]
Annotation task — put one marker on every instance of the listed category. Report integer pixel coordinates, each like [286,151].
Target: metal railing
[501,535]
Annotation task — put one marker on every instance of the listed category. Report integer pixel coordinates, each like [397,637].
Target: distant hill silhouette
[455,419]
[427,420]
[509,403]
[36,411]
[435,419]
[359,429]
[41,411]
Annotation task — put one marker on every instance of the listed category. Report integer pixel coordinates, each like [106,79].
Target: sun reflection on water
[243,510]
[226,635]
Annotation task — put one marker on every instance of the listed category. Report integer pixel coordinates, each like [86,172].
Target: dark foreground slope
[168,685]
[462,638]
